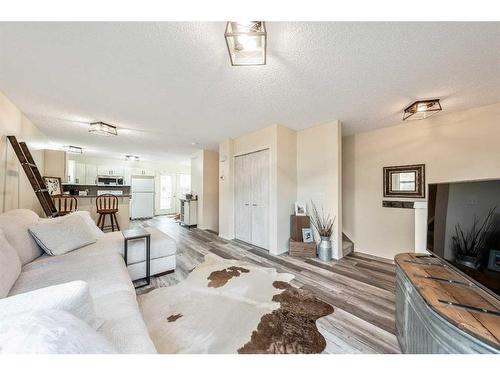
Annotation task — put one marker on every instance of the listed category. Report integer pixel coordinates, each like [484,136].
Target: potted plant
[324,225]
[469,248]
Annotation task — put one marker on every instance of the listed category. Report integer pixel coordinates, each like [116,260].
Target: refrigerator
[143,197]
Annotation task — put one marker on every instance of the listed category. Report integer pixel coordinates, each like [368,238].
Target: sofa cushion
[85,215]
[111,290]
[61,235]
[10,266]
[15,226]
[50,332]
[73,297]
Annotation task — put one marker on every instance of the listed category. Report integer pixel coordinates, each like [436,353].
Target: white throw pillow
[10,266]
[61,235]
[91,223]
[73,297]
[50,332]
[15,224]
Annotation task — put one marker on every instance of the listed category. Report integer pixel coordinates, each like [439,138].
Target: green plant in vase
[469,247]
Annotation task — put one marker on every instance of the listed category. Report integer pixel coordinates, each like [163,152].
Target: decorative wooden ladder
[34,177]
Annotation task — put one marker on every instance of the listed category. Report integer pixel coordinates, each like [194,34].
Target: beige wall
[55,164]
[15,190]
[293,155]
[205,184]
[456,146]
[226,191]
[286,183]
[319,157]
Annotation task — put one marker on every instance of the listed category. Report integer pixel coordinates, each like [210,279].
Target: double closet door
[251,193]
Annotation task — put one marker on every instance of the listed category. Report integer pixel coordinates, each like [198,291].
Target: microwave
[109,180]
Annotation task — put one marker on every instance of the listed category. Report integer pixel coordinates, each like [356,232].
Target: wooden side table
[135,234]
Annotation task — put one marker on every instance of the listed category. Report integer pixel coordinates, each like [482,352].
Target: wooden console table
[432,314]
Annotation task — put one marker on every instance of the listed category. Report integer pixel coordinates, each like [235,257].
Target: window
[166,192]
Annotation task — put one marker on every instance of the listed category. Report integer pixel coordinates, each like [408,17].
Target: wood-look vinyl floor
[360,287]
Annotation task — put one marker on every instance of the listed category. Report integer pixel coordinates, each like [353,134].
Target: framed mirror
[404,181]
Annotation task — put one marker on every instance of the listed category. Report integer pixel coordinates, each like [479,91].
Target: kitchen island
[87,203]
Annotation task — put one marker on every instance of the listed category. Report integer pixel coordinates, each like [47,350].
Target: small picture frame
[300,209]
[53,185]
[307,235]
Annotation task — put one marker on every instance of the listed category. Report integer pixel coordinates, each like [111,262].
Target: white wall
[15,189]
[319,157]
[455,147]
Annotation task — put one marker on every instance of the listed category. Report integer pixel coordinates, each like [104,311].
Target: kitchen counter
[123,215]
[95,196]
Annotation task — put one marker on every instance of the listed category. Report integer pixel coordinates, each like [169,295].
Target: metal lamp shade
[246,42]
[421,109]
[101,128]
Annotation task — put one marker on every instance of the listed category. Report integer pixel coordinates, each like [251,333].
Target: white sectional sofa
[101,265]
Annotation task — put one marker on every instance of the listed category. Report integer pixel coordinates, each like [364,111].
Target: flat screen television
[463,228]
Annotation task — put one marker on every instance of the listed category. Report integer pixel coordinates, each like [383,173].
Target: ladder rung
[30,165]
[40,190]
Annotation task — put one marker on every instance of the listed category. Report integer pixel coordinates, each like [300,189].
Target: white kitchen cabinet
[110,170]
[79,173]
[189,212]
[143,172]
[127,176]
[90,174]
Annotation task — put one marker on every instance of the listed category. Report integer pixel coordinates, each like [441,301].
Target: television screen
[464,228]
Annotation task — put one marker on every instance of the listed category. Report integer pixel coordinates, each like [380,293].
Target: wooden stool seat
[65,204]
[107,205]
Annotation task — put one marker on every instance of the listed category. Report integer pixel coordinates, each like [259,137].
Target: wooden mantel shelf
[482,326]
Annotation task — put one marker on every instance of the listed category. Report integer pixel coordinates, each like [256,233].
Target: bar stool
[65,204]
[107,205]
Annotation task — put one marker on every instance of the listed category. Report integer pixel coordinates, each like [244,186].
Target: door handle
[255,204]
[247,204]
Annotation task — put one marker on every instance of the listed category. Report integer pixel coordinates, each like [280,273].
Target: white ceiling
[166,85]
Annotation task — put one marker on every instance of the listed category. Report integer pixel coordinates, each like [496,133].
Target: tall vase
[325,249]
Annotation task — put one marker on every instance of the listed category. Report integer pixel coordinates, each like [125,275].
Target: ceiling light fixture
[421,109]
[131,157]
[246,42]
[101,128]
[73,149]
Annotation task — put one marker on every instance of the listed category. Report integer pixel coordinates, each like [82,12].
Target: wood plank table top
[485,327]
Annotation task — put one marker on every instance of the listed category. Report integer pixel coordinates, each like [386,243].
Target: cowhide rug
[229,306]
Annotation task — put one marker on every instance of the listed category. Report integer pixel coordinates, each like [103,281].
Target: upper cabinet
[79,173]
[143,172]
[86,174]
[90,174]
[110,170]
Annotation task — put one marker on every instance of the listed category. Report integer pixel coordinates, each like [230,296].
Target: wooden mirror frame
[419,192]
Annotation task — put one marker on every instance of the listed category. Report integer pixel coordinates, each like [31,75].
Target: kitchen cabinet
[127,176]
[189,212]
[79,173]
[143,172]
[90,174]
[110,170]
